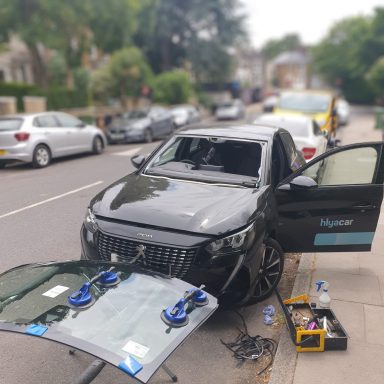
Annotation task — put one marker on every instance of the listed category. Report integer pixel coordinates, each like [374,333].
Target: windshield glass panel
[10,124]
[209,159]
[305,102]
[119,317]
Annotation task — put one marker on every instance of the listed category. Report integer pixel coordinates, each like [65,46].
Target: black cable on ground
[247,347]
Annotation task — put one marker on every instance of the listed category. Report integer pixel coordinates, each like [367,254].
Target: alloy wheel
[271,269]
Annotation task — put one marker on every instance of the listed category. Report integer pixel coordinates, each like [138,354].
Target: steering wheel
[187,161]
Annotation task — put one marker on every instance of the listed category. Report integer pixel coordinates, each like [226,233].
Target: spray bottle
[324,298]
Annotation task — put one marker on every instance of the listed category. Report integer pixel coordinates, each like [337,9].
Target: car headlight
[237,242]
[90,221]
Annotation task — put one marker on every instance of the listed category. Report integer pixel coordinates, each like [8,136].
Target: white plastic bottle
[324,298]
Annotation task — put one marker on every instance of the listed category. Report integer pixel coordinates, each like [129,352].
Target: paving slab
[374,316]
[350,287]
[360,363]
[371,263]
[338,262]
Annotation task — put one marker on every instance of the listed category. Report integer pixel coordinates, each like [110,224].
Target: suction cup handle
[82,296]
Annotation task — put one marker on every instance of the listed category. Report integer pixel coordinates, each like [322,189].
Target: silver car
[38,138]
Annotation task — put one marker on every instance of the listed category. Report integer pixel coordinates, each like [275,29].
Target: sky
[311,19]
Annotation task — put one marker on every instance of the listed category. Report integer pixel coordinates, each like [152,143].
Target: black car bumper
[184,258]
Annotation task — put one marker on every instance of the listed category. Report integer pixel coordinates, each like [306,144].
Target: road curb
[283,369]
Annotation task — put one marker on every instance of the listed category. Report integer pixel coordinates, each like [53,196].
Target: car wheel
[41,156]
[148,136]
[2,165]
[97,145]
[270,272]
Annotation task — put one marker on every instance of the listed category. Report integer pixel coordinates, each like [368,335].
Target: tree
[173,32]
[56,25]
[172,87]
[274,47]
[124,75]
[375,77]
[339,57]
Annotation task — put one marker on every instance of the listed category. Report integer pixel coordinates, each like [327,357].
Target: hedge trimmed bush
[173,87]
[57,97]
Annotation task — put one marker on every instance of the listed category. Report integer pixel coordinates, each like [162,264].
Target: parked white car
[185,114]
[230,110]
[38,138]
[342,110]
[305,132]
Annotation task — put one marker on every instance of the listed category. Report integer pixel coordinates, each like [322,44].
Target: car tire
[2,165]
[97,145]
[148,136]
[41,156]
[270,271]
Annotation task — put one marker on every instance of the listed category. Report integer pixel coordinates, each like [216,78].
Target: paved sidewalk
[357,292]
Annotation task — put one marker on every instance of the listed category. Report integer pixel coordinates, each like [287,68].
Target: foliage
[172,87]
[57,97]
[274,47]
[375,77]
[352,49]
[57,70]
[124,75]
[174,33]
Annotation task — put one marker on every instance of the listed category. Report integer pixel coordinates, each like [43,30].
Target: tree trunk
[38,67]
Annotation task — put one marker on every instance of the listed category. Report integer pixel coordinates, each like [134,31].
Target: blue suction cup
[175,316]
[198,297]
[108,279]
[81,298]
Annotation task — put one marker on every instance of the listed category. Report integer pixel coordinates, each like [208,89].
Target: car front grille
[168,260]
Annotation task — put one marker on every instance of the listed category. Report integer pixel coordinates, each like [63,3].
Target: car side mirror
[137,161]
[325,132]
[299,182]
[81,125]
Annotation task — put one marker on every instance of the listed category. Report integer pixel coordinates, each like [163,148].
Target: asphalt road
[41,212]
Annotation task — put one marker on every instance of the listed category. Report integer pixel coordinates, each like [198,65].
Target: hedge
[57,97]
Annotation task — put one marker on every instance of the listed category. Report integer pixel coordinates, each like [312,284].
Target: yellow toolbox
[312,329]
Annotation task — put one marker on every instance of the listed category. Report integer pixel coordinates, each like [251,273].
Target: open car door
[332,204]
[117,312]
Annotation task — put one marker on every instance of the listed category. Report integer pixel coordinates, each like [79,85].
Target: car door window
[46,121]
[289,146]
[353,166]
[68,121]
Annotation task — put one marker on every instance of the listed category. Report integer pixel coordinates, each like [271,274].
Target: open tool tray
[340,339]
[312,340]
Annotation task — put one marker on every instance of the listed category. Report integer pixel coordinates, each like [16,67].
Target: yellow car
[319,105]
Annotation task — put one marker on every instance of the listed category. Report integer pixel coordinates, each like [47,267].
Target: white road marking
[130,152]
[50,199]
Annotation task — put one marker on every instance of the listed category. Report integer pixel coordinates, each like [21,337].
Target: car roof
[30,115]
[237,131]
[274,119]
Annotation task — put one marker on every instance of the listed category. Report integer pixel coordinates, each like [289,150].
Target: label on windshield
[135,349]
[55,291]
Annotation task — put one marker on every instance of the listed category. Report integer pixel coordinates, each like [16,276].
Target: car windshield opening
[209,159]
[305,102]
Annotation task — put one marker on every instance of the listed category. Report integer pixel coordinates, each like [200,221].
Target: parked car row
[38,138]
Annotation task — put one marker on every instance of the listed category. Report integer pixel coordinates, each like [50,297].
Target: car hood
[183,205]
[121,325]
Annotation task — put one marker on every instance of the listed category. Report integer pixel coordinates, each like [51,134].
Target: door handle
[364,206]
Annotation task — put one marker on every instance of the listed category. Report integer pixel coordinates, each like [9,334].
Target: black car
[143,124]
[219,205]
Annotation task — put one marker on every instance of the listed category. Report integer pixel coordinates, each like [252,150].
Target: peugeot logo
[140,254]
[144,235]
